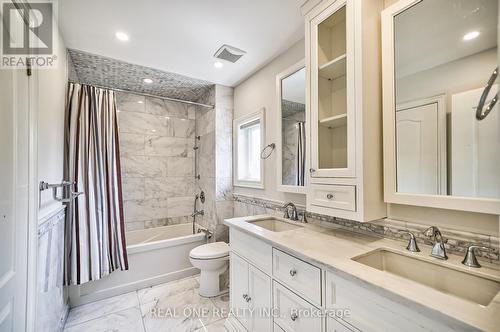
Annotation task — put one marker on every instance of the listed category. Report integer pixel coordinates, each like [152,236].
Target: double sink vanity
[290,276]
[386,117]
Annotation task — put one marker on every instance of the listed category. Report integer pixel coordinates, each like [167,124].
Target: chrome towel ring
[480,114]
[267,151]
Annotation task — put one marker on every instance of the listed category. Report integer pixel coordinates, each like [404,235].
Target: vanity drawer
[293,313]
[341,197]
[254,250]
[298,275]
[332,325]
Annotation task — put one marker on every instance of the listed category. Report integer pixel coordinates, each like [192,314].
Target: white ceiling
[181,36]
[431,32]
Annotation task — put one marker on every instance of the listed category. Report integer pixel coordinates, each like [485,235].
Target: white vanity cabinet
[300,295]
[250,295]
[345,115]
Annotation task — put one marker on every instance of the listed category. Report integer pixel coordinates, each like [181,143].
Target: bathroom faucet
[412,244]
[438,249]
[198,213]
[470,257]
[294,215]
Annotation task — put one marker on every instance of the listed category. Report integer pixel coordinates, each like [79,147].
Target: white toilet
[212,260]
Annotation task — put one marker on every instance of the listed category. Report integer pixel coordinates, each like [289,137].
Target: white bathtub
[155,255]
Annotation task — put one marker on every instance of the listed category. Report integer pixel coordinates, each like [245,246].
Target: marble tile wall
[52,304]
[293,112]
[389,228]
[214,126]
[157,160]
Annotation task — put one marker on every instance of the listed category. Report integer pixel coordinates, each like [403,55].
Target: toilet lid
[210,251]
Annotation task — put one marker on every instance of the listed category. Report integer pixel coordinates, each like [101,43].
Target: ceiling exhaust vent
[229,53]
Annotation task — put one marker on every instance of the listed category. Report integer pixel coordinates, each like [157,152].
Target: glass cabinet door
[332,98]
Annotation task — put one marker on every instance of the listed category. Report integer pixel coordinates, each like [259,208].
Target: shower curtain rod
[146,94]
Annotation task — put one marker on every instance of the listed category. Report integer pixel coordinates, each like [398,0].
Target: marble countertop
[334,248]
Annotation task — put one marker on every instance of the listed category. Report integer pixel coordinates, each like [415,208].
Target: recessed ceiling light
[147,80]
[218,64]
[471,35]
[140,102]
[121,36]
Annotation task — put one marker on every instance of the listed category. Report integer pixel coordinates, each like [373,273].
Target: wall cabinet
[344,90]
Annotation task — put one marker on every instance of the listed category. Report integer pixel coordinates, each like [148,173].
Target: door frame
[440,100]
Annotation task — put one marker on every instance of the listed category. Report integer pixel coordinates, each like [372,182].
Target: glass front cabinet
[344,93]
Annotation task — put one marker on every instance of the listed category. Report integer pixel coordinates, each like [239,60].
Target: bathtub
[155,255]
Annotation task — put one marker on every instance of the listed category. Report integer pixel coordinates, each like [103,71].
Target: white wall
[51,104]
[260,91]
[464,74]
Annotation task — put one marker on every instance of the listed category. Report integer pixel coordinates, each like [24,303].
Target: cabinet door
[333,107]
[239,288]
[332,325]
[259,288]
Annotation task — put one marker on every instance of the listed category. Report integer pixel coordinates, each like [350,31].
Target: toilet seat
[210,251]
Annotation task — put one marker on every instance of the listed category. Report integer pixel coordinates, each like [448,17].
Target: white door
[14,180]
[239,288]
[15,173]
[417,145]
[475,157]
[259,289]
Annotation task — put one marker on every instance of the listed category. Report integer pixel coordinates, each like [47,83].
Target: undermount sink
[274,225]
[470,287]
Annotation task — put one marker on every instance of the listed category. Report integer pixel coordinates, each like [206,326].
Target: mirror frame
[472,204]
[279,141]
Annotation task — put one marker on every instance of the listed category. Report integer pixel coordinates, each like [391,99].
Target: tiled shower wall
[157,160]
[214,126]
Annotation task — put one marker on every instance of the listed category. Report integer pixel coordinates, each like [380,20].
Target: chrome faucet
[470,257]
[438,249]
[198,213]
[294,215]
[412,244]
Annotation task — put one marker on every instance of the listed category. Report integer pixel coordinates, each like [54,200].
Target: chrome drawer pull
[293,272]
[330,196]
[294,317]
[312,170]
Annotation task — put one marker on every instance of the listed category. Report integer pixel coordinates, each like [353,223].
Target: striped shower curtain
[95,235]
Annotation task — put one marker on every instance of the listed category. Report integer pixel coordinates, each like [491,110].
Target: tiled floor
[174,306]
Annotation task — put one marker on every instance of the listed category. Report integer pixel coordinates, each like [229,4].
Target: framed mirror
[291,118]
[441,149]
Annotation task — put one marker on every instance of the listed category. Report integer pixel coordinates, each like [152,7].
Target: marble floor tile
[221,302]
[128,320]
[217,326]
[185,311]
[97,309]
[155,293]
[175,306]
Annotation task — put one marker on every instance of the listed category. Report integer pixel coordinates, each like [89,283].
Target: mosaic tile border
[387,228]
